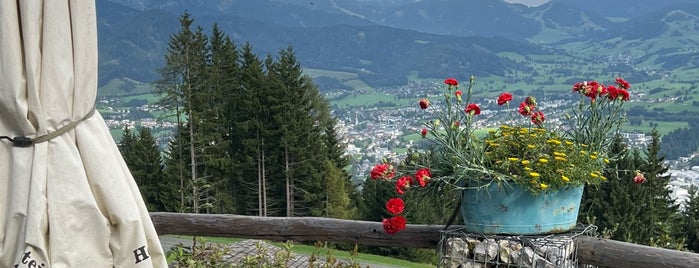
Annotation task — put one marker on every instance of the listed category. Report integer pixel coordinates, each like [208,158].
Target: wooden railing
[590,250]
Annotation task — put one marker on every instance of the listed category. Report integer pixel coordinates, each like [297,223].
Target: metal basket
[458,249]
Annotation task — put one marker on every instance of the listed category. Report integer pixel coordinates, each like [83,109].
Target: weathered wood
[590,250]
[611,253]
[296,229]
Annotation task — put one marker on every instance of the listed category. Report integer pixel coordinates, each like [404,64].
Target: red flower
[526,109]
[504,98]
[622,83]
[402,184]
[451,82]
[594,89]
[472,109]
[382,171]
[612,92]
[639,178]
[623,94]
[395,205]
[458,94]
[424,103]
[394,224]
[423,132]
[538,118]
[578,87]
[423,176]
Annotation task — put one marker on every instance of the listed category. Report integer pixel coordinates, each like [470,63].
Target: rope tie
[24,141]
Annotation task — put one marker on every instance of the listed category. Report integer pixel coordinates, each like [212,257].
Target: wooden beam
[590,250]
[611,253]
[295,228]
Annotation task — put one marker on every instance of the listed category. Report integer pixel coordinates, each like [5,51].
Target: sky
[528,2]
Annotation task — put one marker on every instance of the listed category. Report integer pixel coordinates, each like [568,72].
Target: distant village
[371,134]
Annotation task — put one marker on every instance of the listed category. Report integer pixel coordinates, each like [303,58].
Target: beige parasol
[66,197]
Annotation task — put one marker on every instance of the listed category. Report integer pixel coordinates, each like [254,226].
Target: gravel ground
[249,248]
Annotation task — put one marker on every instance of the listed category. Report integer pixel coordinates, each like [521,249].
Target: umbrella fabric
[68,200]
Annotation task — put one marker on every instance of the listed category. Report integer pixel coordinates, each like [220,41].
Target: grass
[365,259]
[663,127]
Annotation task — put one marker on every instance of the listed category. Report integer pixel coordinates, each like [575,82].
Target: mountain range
[385,41]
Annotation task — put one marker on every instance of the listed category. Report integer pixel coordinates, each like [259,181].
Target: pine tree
[661,213]
[637,213]
[252,133]
[691,219]
[142,156]
[213,130]
[184,86]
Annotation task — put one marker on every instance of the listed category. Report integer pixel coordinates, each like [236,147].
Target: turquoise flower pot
[514,210]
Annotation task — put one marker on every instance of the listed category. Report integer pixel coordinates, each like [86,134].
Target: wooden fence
[590,250]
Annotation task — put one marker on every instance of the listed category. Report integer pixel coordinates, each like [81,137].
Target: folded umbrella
[67,199]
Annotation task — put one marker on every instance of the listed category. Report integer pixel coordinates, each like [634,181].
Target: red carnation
[423,132]
[402,184]
[382,171]
[395,205]
[424,103]
[623,94]
[394,224]
[451,82]
[423,176]
[538,118]
[526,109]
[622,83]
[612,92]
[639,178]
[472,109]
[504,98]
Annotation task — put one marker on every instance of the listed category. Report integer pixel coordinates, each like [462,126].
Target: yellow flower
[594,157]
[603,178]
[606,161]
[534,174]
[594,175]
[557,142]
[569,143]
[525,162]
[558,158]
[564,178]
[559,154]
[531,146]
[543,160]
[513,159]
[527,169]
[543,186]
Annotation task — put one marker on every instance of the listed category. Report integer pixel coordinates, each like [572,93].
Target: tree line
[254,136]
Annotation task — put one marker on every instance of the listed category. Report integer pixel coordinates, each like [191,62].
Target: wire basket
[458,249]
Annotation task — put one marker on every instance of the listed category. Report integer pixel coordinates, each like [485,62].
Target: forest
[255,137]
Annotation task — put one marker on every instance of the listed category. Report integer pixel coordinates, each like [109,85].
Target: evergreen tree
[661,213]
[185,89]
[637,213]
[252,133]
[213,133]
[142,156]
[691,219]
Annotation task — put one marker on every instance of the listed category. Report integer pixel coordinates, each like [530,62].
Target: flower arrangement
[537,156]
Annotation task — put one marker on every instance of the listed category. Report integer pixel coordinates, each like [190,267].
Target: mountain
[385,41]
[621,8]
[133,44]
[451,17]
